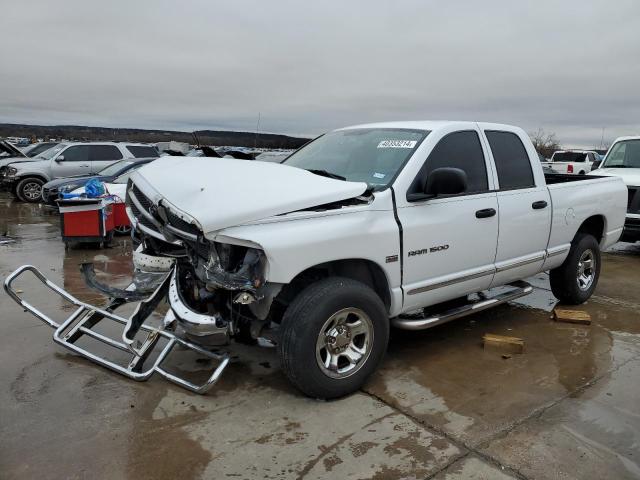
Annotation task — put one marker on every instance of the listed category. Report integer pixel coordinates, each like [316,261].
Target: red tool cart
[87,220]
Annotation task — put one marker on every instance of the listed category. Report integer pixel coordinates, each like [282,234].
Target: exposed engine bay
[218,290]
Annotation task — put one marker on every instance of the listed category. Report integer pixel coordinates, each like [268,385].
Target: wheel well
[593,226]
[365,271]
[24,177]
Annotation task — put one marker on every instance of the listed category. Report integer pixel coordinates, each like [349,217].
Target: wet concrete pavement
[440,407]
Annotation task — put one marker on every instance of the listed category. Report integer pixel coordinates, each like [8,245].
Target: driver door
[450,241]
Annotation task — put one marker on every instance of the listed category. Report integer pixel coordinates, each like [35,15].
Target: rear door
[450,241]
[102,156]
[524,206]
[73,160]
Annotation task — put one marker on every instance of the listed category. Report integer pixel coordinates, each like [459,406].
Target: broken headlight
[233,267]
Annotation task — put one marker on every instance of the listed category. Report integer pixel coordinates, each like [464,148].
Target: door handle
[486,213]
[84,166]
[539,204]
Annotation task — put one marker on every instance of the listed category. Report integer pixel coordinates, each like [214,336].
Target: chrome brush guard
[85,317]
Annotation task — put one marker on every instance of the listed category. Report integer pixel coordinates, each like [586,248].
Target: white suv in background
[25,179]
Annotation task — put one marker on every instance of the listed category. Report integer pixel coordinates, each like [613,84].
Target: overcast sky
[570,67]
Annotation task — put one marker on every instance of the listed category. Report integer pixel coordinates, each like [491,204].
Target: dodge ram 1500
[364,228]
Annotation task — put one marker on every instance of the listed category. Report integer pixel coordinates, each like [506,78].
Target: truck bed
[552,178]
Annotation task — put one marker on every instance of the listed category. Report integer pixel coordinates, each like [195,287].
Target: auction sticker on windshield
[397,144]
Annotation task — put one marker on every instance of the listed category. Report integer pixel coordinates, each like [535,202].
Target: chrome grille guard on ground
[85,317]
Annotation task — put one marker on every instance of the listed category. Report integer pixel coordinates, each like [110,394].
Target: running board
[412,322]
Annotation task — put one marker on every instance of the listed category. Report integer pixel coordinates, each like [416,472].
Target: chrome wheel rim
[344,343]
[586,270]
[32,190]
[122,229]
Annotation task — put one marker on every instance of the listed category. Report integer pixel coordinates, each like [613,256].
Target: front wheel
[334,335]
[574,281]
[30,189]
[122,230]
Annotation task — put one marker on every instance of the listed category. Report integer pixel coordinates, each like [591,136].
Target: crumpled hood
[630,176]
[221,192]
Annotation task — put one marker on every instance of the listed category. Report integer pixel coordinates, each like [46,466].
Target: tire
[319,308]
[30,189]
[567,284]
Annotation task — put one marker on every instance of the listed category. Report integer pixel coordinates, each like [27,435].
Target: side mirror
[60,158]
[596,164]
[441,181]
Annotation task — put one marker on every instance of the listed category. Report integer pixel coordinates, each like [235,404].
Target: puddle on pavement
[444,376]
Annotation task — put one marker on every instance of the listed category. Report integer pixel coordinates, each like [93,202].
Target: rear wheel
[574,281]
[334,335]
[30,189]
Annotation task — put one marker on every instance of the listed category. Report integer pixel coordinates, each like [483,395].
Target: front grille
[633,200]
[146,204]
[176,222]
[142,198]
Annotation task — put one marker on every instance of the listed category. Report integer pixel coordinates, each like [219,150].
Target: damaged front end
[205,292]
[217,285]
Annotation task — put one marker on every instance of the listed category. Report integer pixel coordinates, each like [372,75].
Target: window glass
[569,157]
[512,160]
[77,153]
[143,151]
[115,168]
[52,152]
[104,152]
[457,150]
[371,155]
[624,154]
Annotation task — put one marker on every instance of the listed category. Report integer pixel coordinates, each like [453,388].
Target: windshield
[371,155]
[124,178]
[52,152]
[624,154]
[115,168]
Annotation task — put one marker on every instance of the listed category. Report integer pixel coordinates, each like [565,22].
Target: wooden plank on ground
[501,342]
[571,316]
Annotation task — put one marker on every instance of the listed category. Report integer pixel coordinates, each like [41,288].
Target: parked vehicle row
[25,177]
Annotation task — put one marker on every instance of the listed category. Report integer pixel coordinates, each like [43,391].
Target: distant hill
[207,137]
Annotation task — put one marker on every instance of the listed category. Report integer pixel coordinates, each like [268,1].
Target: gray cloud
[570,67]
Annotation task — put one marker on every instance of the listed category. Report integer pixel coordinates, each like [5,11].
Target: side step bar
[412,322]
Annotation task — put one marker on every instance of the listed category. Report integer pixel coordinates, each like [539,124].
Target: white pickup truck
[572,162]
[363,228]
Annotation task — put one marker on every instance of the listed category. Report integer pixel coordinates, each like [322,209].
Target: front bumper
[631,231]
[8,182]
[140,340]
